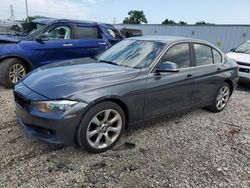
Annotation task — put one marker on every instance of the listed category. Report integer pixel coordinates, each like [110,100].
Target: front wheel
[11,71]
[101,127]
[221,99]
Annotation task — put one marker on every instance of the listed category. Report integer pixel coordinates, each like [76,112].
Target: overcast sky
[191,11]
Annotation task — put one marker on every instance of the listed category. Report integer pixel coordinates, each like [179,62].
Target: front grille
[44,132]
[20,100]
[244,70]
[244,64]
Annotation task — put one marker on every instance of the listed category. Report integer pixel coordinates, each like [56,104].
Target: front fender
[26,60]
[131,94]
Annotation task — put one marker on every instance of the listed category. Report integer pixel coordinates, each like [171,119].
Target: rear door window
[83,32]
[203,55]
[217,57]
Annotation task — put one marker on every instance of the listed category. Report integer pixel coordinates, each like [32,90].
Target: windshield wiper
[113,63]
[109,62]
[241,52]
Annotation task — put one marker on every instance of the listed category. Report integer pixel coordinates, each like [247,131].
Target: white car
[241,55]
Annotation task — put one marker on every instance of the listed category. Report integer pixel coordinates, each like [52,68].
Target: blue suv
[50,41]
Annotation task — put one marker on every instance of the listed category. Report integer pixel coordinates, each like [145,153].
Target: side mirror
[42,38]
[232,50]
[168,66]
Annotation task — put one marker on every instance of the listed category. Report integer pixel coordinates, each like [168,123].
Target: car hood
[66,78]
[4,39]
[239,57]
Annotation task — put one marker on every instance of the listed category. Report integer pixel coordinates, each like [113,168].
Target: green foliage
[182,23]
[168,21]
[203,23]
[135,17]
[33,18]
[172,22]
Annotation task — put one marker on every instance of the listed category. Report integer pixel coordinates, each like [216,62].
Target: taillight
[238,67]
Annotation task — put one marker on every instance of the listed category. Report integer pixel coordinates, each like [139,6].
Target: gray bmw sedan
[90,101]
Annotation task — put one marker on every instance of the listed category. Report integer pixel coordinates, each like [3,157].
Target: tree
[34,17]
[203,23]
[168,21]
[135,17]
[182,23]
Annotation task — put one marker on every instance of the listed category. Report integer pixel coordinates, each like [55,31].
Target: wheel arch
[230,83]
[124,107]
[117,100]
[25,60]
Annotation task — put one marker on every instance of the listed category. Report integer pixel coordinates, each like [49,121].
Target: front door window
[61,32]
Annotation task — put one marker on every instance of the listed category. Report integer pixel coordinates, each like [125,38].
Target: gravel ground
[194,149]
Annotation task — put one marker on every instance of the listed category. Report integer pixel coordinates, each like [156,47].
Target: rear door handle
[102,43]
[67,45]
[189,75]
[219,69]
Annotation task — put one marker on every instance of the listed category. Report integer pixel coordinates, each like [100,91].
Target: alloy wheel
[104,128]
[17,71]
[222,97]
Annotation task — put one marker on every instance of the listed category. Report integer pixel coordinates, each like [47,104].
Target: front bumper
[49,128]
[244,72]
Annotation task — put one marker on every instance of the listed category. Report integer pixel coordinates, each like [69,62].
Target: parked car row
[90,101]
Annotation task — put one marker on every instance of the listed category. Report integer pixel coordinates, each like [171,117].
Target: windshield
[132,53]
[244,48]
[37,27]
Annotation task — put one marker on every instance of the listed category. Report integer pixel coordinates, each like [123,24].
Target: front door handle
[102,43]
[67,45]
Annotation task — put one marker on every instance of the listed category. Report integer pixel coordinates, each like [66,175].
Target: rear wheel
[221,99]
[11,71]
[101,127]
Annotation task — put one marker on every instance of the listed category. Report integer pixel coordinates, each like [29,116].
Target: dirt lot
[195,149]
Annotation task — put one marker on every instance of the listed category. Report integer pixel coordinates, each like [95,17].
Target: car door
[169,92]
[89,40]
[56,45]
[209,67]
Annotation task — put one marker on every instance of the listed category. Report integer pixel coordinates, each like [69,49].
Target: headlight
[54,107]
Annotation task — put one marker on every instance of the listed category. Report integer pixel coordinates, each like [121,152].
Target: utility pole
[27,13]
[12,16]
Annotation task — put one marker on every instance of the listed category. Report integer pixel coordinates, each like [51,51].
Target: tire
[99,132]
[222,95]
[11,71]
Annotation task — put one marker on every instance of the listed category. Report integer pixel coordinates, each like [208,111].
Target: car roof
[46,21]
[168,39]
